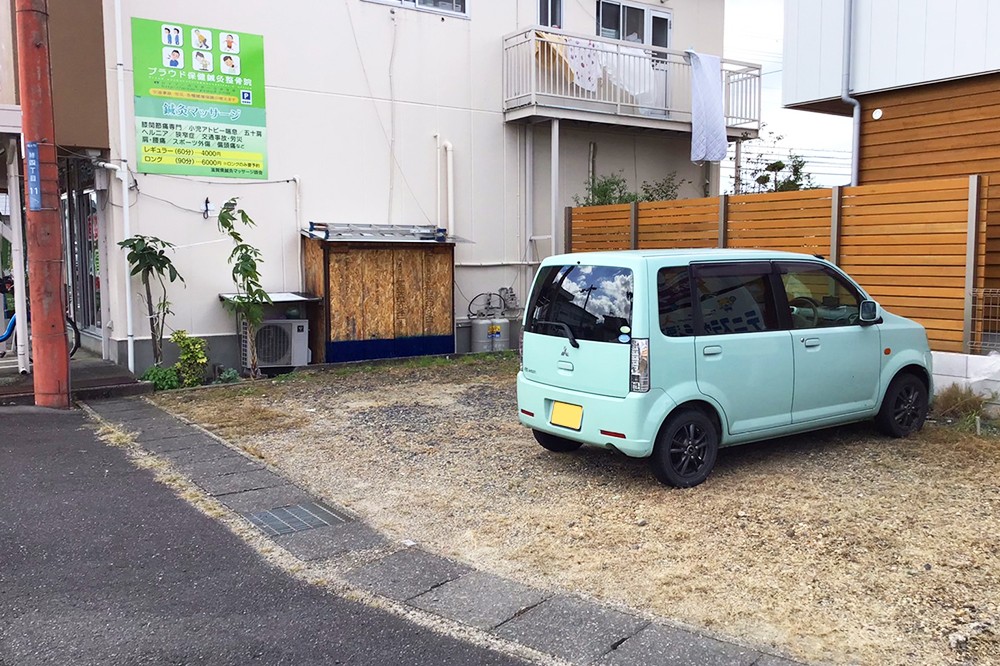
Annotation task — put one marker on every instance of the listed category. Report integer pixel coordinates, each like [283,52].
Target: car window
[673,286]
[591,302]
[735,298]
[818,296]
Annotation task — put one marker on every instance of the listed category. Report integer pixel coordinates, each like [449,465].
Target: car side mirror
[869,312]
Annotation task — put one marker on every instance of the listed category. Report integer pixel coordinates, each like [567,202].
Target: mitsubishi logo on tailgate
[565,352]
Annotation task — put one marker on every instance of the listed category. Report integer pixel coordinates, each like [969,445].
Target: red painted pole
[44,224]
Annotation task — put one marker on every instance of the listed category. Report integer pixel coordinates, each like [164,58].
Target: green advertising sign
[199,100]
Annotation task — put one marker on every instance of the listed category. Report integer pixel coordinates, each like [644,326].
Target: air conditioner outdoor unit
[280,343]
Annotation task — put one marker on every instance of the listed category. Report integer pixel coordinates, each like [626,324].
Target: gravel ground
[838,546]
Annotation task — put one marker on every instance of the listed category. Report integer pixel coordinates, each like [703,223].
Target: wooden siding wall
[797,221]
[683,223]
[905,242]
[944,129]
[596,228]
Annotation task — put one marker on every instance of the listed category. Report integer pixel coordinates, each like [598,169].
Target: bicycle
[72,332]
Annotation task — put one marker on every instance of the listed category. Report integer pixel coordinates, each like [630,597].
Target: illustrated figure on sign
[201,39]
[172,58]
[167,38]
[231,44]
[230,64]
[177,36]
[202,62]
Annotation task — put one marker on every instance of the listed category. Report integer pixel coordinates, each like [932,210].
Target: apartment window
[449,5]
[633,23]
[550,13]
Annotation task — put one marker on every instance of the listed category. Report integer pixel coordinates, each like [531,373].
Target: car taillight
[639,366]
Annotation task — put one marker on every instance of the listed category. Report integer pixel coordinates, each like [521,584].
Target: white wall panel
[897,43]
[813,48]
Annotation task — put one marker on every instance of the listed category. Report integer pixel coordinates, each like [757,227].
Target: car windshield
[582,303]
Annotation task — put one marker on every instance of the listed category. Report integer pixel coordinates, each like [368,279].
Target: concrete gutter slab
[572,628]
[327,542]
[479,599]
[237,483]
[406,574]
[659,645]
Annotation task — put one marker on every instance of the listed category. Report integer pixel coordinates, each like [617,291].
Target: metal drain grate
[295,518]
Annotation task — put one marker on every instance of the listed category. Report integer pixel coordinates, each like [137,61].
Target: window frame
[554,21]
[832,272]
[781,317]
[648,14]
[414,5]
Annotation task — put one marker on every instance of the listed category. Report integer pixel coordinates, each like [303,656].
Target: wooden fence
[918,247]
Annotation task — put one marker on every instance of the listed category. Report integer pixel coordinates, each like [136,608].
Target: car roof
[680,257]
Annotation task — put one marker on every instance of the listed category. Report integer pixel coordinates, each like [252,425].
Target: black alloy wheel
[686,449]
[904,407]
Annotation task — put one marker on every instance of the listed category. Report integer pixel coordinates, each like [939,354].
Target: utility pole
[738,170]
[44,222]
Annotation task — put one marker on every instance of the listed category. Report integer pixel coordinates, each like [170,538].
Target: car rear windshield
[583,302]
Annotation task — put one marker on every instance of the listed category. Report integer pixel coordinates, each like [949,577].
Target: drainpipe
[123,175]
[449,159]
[845,92]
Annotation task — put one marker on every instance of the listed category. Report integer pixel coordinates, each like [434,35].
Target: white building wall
[333,111]
[897,43]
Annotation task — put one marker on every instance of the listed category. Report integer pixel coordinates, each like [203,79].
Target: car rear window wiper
[565,328]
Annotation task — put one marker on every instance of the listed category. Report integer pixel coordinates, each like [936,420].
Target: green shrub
[164,379]
[228,376]
[192,360]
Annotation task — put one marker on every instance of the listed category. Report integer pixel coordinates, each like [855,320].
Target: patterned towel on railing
[583,62]
[708,124]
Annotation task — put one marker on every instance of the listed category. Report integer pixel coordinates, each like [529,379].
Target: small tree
[148,257]
[760,174]
[613,189]
[250,299]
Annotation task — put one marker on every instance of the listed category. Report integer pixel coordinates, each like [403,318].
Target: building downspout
[845,92]
[123,175]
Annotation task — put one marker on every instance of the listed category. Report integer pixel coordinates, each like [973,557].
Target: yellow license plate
[566,415]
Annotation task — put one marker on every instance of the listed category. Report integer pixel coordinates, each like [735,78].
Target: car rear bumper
[637,416]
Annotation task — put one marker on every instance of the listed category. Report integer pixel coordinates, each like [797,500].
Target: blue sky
[753,33]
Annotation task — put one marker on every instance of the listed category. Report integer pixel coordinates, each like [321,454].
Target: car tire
[904,407]
[686,449]
[555,443]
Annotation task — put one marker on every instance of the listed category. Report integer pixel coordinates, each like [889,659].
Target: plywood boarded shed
[387,291]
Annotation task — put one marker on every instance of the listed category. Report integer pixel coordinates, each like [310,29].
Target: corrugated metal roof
[377,233]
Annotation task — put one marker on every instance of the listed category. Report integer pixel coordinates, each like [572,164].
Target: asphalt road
[100,564]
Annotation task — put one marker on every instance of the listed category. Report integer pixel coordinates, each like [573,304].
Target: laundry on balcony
[549,72]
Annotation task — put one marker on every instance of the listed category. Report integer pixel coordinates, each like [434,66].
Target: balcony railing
[551,69]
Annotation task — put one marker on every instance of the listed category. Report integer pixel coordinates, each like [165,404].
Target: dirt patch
[836,546]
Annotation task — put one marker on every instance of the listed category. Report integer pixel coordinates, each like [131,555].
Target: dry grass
[838,546]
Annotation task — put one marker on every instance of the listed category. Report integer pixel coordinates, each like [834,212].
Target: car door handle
[565,365]
[712,350]
[810,342]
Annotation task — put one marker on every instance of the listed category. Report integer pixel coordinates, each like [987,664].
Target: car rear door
[743,356]
[578,328]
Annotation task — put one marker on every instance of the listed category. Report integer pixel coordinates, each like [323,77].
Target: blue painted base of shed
[367,350]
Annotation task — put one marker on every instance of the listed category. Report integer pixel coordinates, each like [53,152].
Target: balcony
[551,73]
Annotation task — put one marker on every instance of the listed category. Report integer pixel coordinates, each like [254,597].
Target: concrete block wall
[980,373]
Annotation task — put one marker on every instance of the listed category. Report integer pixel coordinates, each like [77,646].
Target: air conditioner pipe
[449,160]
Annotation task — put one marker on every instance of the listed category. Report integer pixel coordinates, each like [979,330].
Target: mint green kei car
[672,354]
